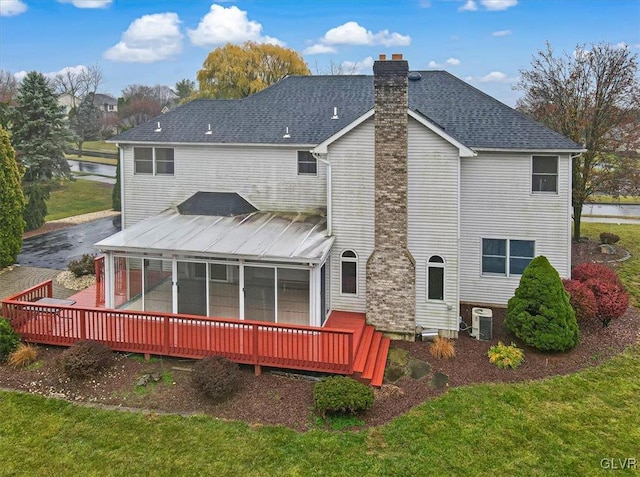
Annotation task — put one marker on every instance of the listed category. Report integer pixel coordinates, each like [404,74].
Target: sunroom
[215,255]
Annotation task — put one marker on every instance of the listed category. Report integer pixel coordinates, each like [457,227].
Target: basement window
[307,164]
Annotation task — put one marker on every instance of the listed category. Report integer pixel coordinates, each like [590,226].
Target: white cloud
[228,25]
[451,62]
[352,33]
[10,8]
[495,77]
[319,49]
[88,3]
[358,67]
[469,6]
[74,70]
[497,5]
[148,39]
[19,76]
[501,33]
[492,5]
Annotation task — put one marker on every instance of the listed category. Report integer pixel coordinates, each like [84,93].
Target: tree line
[590,95]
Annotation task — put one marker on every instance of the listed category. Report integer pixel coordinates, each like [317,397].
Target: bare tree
[79,84]
[338,69]
[8,92]
[590,96]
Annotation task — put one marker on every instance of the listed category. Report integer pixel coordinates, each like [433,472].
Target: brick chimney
[391,268]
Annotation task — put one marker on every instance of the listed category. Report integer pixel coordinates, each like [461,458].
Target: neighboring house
[106,103]
[68,102]
[402,195]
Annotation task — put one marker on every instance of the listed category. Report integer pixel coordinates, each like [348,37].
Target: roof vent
[286,133]
[209,131]
[414,76]
[158,129]
[335,113]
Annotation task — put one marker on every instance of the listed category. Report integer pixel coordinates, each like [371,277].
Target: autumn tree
[8,91]
[140,103]
[590,96]
[11,203]
[237,71]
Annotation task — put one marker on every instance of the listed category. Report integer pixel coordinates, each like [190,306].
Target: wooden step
[381,363]
[367,373]
[363,349]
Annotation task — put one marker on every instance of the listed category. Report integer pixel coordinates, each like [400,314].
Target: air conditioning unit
[481,323]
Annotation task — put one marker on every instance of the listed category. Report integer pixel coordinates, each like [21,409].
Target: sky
[484,42]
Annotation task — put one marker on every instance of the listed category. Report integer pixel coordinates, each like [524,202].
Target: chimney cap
[382,57]
[396,56]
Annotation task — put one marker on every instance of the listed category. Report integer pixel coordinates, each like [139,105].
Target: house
[403,196]
[105,102]
[68,102]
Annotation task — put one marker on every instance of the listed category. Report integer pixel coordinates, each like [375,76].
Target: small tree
[11,203]
[36,209]
[540,313]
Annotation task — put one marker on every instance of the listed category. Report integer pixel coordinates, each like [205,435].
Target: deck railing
[243,341]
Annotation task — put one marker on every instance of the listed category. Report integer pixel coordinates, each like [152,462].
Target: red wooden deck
[345,345]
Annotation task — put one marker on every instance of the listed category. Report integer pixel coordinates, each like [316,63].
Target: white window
[349,273]
[307,164]
[506,257]
[544,176]
[153,160]
[435,278]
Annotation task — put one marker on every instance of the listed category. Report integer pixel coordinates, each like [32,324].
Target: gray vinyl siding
[352,161]
[433,222]
[266,177]
[497,202]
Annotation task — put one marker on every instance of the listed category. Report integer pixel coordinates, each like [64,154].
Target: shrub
[611,298]
[540,313]
[23,355]
[609,238]
[442,348]
[83,266]
[582,300]
[342,395]
[85,358]
[217,377]
[504,356]
[587,271]
[9,339]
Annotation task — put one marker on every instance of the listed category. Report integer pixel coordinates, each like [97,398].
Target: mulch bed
[276,398]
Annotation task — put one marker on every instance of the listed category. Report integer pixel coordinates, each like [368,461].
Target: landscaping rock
[394,372]
[418,369]
[439,380]
[398,356]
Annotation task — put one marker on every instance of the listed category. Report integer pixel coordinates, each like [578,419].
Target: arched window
[349,272]
[435,278]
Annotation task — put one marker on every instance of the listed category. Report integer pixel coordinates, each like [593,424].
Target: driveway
[55,249]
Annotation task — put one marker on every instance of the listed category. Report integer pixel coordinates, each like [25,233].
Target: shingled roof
[305,105]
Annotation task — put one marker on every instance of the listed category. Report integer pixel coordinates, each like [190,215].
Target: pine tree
[116,203]
[36,209]
[540,313]
[40,131]
[11,203]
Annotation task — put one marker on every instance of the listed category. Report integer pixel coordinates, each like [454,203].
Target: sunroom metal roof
[267,236]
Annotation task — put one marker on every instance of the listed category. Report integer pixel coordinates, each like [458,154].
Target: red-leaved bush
[598,271]
[611,298]
[582,300]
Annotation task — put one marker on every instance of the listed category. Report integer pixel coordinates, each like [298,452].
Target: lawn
[79,197]
[561,426]
[99,146]
[609,199]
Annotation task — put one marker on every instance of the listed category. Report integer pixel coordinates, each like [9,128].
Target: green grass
[78,197]
[562,426]
[628,270]
[99,146]
[89,158]
[609,199]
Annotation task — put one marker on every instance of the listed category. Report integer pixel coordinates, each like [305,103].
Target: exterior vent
[481,324]
[414,76]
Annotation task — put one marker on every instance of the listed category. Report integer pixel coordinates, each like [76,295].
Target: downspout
[329,211]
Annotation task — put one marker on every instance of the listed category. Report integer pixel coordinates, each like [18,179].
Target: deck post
[166,335]
[257,370]
[50,288]
[83,325]
[256,356]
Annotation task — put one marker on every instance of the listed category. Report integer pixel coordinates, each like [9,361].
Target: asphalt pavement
[54,250]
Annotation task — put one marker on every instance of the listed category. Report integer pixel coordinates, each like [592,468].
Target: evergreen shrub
[540,313]
[342,395]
